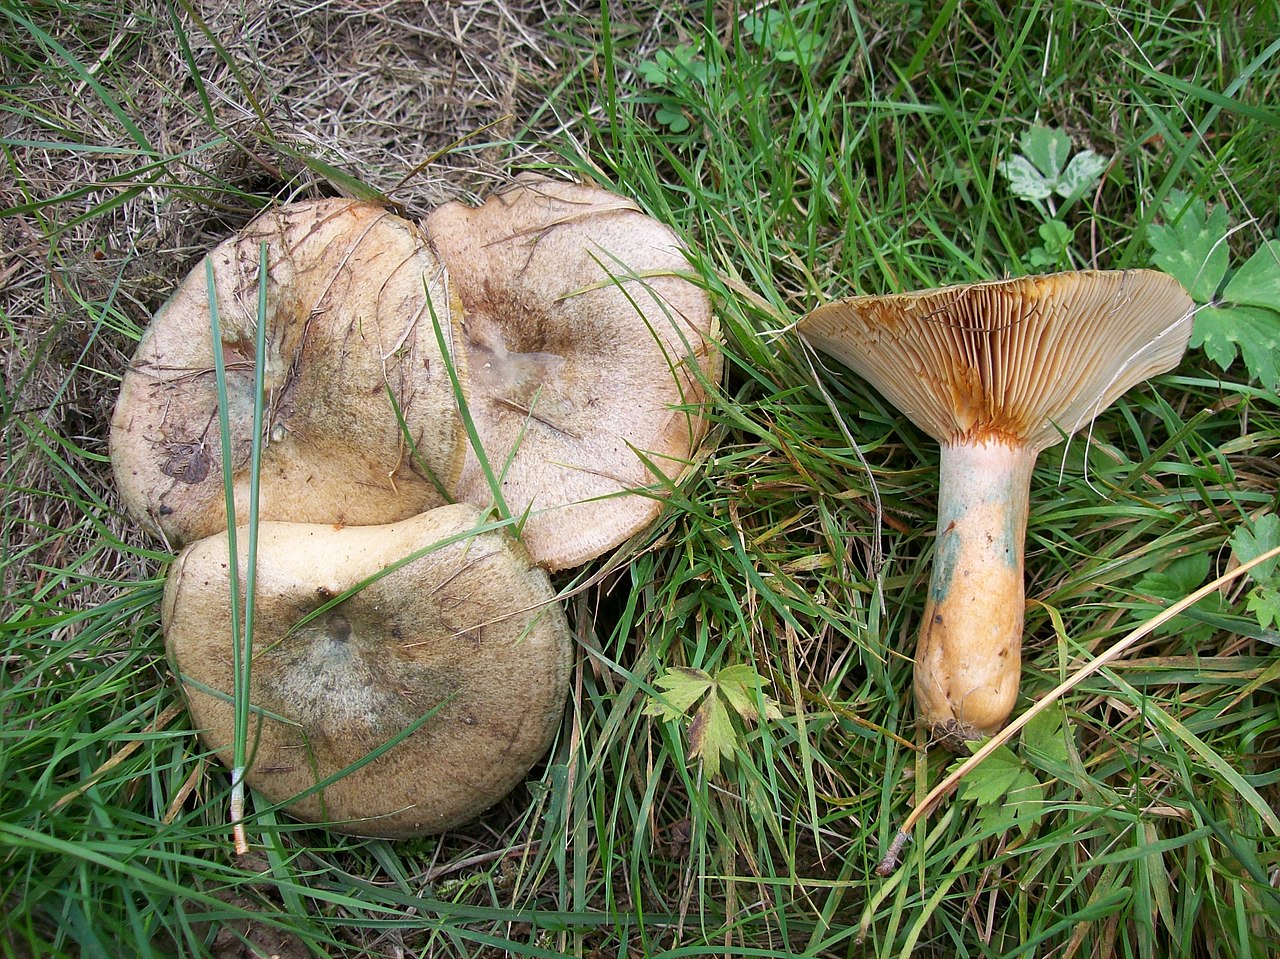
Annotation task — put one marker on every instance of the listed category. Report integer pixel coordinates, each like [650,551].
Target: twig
[893,855]
[437,872]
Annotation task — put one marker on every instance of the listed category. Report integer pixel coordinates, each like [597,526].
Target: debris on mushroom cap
[348,318]
[1030,359]
[468,634]
[588,357]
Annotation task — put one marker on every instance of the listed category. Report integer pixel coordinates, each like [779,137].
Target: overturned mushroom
[468,634]
[997,372]
[349,320]
[588,357]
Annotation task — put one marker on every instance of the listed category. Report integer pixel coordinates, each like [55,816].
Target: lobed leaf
[1024,179]
[1191,246]
[1180,577]
[1254,333]
[1043,737]
[1081,173]
[711,735]
[1046,167]
[681,687]
[740,685]
[1048,149]
[1257,283]
[1248,542]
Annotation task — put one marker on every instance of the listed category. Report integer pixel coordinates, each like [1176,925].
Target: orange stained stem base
[968,661]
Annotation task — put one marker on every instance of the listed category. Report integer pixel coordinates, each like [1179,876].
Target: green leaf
[1180,577]
[673,118]
[1043,168]
[1264,603]
[1215,332]
[1248,542]
[1026,799]
[653,72]
[1024,179]
[740,685]
[674,68]
[1043,737]
[993,777]
[1005,792]
[1257,283]
[711,735]
[1081,173]
[1191,246]
[1048,149]
[1254,332]
[787,42]
[681,686]
[1057,237]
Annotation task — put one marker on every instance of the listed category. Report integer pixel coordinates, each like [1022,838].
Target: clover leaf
[1046,167]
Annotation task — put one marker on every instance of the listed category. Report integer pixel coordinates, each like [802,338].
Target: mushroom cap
[585,348]
[348,316]
[1026,360]
[471,630]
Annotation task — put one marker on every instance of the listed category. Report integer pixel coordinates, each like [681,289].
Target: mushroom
[353,294]
[997,372]
[467,633]
[589,356]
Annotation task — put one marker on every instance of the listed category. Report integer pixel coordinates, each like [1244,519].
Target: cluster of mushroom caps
[997,372]
[540,353]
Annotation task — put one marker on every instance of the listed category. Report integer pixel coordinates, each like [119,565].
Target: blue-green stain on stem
[1015,535]
[974,481]
[949,550]
[944,563]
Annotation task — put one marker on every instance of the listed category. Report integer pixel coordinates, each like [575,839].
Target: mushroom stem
[969,655]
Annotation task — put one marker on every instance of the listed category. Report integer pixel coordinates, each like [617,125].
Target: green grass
[836,151]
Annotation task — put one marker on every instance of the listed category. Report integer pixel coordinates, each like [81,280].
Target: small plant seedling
[782,37]
[1006,790]
[1045,168]
[1258,537]
[1055,252]
[1239,317]
[711,730]
[677,75]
